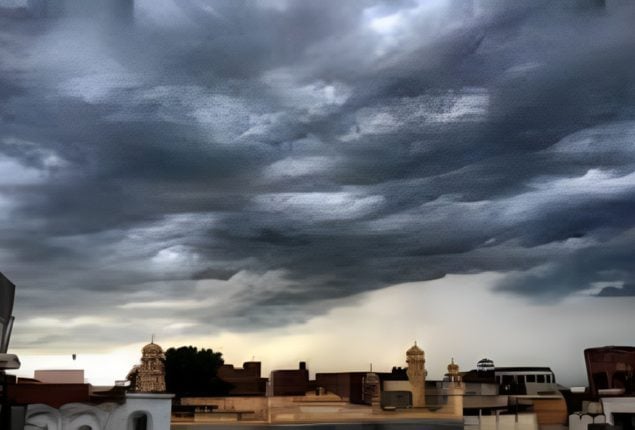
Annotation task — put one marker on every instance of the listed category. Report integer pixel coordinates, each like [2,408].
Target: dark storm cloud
[260,162]
[623,291]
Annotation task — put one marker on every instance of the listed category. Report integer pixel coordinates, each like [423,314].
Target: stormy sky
[249,166]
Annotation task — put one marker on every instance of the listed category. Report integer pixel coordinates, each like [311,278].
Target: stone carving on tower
[417,375]
[149,376]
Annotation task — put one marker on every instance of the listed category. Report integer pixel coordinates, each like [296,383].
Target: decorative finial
[152,341]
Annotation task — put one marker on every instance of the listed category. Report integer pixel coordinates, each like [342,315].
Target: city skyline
[266,178]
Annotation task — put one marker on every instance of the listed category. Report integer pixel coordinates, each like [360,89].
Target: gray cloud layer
[247,164]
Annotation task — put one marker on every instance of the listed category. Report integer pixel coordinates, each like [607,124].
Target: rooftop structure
[293,382]
[610,368]
[245,381]
[62,376]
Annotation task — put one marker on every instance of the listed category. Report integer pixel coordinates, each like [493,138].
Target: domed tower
[149,376]
[371,385]
[485,365]
[417,375]
[453,372]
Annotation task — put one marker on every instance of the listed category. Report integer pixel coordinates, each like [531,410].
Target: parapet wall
[315,409]
[259,405]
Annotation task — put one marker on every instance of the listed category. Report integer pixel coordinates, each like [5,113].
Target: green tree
[190,372]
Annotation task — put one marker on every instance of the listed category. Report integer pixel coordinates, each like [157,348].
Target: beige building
[61,376]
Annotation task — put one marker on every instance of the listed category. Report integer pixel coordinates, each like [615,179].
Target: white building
[141,411]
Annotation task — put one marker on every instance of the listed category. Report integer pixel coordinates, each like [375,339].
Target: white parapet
[152,409]
[155,409]
[581,420]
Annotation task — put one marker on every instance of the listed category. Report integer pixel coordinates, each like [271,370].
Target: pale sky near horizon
[457,316]
[320,181]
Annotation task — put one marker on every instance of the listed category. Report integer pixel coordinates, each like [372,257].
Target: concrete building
[347,385]
[245,381]
[293,382]
[610,368]
[62,376]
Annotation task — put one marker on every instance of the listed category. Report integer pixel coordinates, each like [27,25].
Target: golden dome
[152,349]
[453,368]
[372,378]
[414,350]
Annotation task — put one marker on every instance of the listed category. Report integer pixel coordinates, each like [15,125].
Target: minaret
[417,375]
[371,388]
[454,389]
[453,372]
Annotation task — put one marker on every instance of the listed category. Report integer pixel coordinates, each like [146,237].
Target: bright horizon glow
[378,327]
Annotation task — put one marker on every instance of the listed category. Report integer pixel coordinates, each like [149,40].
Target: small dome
[372,378]
[152,349]
[485,365]
[414,350]
[453,368]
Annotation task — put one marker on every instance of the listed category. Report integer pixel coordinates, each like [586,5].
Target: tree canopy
[190,372]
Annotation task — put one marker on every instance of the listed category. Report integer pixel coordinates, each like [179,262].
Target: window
[139,421]
[541,379]
[531,378]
